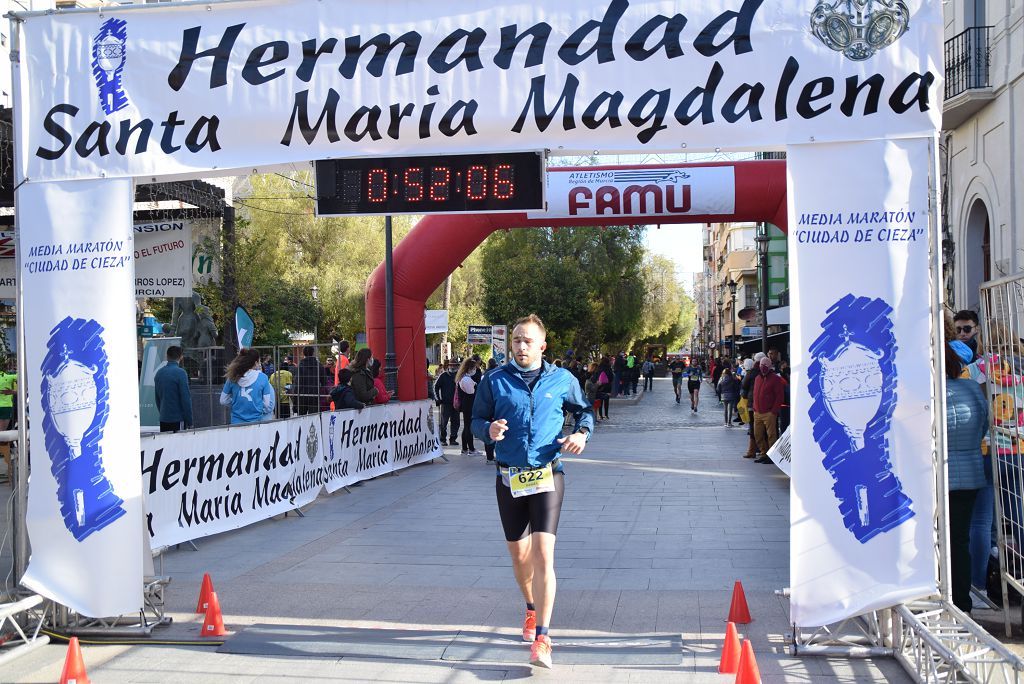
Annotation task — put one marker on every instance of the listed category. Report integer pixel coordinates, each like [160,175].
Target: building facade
[982,146]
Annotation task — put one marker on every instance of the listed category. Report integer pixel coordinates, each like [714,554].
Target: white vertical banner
[863,484]
[499,343]
[84,508]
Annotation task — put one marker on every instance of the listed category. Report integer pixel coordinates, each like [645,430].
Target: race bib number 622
[527,481]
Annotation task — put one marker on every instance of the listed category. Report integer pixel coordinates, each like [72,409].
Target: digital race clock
[477,183]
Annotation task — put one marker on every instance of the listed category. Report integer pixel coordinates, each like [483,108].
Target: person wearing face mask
[362,377]
[769,396]
[965,323]
[519,408]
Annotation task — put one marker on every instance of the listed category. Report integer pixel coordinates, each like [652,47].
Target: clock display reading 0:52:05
[437,184]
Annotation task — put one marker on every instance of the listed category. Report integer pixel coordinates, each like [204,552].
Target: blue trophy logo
[75,395]
[108,58]
[852,380]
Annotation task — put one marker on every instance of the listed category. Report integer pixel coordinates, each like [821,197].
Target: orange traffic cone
[730,661]
[213,624]
[74,667]
[204,595]
[748,673]
[738,611]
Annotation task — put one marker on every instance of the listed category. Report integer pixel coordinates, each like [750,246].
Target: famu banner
[377,441]
[85,504]
[643,191]
[159,89]
[863,483]
[202,483]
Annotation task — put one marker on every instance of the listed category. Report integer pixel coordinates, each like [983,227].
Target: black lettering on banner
[789,73]
[636,46]
[752,109]
[428,110]
[221,54]
[638,118]
[167,139]
[398,112]
[815,90]
[310,54]
[257,60]
[611,102]
[853,90]
[209,124]
[462,109]
[369,127]
[740,36]
[383,45]
[438,59]
[570,50]
[84,148]
[145,129]
[538,34]
[542,117]
[898,100]
[57,131]
[706,111]
[300,113]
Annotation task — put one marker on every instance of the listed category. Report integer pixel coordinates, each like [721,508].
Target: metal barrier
[302,388]
[1002,323]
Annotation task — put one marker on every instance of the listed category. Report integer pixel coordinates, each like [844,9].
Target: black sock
[541,631]
[529,606]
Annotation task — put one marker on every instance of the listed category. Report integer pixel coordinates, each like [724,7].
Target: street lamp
[762,239]
[314,292]
[732,312]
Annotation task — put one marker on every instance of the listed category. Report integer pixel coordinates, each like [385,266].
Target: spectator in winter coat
[966,425]
[308,382]
[173,399]
[729,390]
[383,396]
[444,391]
[362,377]
[769,396]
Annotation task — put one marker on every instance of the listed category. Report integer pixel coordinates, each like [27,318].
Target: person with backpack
[648,370]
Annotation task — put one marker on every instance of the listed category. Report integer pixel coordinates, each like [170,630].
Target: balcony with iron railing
[968,69]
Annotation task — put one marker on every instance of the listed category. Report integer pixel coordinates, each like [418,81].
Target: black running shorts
[693,386]
[527,514]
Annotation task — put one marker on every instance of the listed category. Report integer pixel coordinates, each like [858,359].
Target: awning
[778,341]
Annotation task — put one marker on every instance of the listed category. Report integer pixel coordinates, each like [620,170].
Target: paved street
[661,516]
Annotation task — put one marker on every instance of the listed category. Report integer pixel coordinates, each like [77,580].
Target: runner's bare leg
[543,555]
[522,566]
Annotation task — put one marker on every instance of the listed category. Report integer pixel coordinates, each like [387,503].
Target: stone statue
[192,321]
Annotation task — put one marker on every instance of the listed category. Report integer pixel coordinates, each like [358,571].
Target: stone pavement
[661,515]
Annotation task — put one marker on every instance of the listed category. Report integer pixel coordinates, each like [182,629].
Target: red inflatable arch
[438,244]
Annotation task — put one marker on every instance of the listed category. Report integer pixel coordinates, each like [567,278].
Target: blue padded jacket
[534,416]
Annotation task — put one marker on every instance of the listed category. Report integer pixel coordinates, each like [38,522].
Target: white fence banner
[781,452]
[377,441]
[8,278]
[645,191]
[209,481]
[863,484]
[435,321]
[85,504]
[163,259]
[201,483]
[167,89]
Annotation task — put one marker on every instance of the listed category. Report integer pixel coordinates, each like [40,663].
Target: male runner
[519,409]
[694,378]
[677,367]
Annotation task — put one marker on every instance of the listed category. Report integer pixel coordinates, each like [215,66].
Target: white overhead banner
[209,481]
[163,259]
[863,485]
[201,483]
[85,505]
[644,191]
[160,89]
